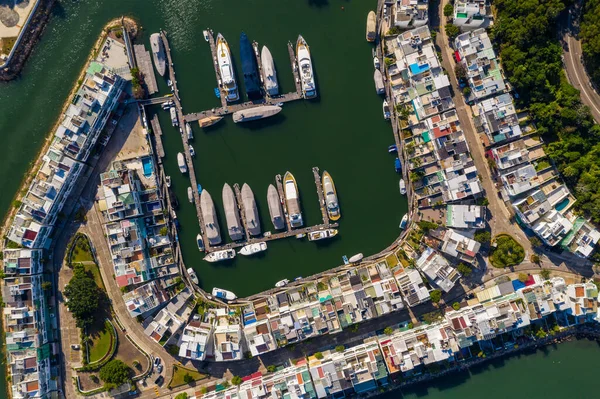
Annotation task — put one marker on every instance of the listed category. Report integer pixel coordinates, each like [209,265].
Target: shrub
[388,331]
[318,355]
[523,277]
[271,368]
[508,252]
[115,372]
[464,269]
[545,273]
[456,306]
[236,380]
[436,296]
[340,348]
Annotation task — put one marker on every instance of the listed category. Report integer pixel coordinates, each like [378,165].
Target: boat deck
[144,63]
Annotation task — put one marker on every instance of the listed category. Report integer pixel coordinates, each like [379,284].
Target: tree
[340,348]
[388,331]
[482,201]
[456,306]
[464,269]
[85,297]
[466,91]
[163,231]
[46,285]
[271,368]
[535,242]
[483,236]
[523,277]
[452,31]
[204,390]
[535,258]
[319,355]
[115,372]
[507,252]
[436,296]
[236,380]
[182,395]
[188,379]
[545,273]
[460,71]
[448,10]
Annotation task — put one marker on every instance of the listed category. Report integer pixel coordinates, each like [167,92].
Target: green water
[564,371]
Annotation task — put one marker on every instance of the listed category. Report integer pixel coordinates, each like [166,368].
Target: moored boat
[386,110]
[228,82]
[307,78]
[192,275]
[209,121]
[397,165]
[199,188]
[250,211]
[223,294]
[188,130]
[250,68]
[331,199]
[190,193]
[356,258]
[168,181]
[209,216]
[379,86]
[282,283]
[232,216]
[402,187]
[252,114]
[205,33]
[173,113]
[292,200]
[268,67]
[181,162]
[192,151]
[376,63]
[392,148]
[219,256]
[275,210]
[404,221]
[322,234]
[200,242]
[252,249]
[371,26]
[158,53]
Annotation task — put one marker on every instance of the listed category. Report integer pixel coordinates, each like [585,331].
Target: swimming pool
[562,204]
[148,166]
[416,68]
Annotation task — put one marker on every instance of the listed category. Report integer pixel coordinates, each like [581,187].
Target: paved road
[573,63]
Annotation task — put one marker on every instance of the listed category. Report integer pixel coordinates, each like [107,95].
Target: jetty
[240,203]
[157,132]
[226,109]
[322,203]
[261,75]
[144,63]
[279,183]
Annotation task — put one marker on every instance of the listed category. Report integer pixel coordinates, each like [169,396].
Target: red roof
[30,235]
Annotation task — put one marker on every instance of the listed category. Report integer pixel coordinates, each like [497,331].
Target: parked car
[75,346]
[156,361]
[159,368]
[159,380]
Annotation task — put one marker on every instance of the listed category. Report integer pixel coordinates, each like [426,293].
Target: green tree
[448,10]
[452,31]
[460,71]
[436,296]
[388,331]
[163,231]
[523,277]
[466,91]
[188,379]
[535,258]
[535,242]
[507,252]
[236,380]
[182,395]
[545,273]
[115,372]
[340,348]
[271,368]
[85,298]
[46,285]
[464,269]
[483,236]
[318,355]
[456,306]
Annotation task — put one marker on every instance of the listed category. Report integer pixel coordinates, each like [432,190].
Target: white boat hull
[252,249]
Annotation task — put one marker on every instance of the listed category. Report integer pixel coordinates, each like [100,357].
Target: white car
[76,347]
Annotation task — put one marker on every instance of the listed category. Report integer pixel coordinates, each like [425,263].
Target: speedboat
[205,33]
[168,180]
[392,148]
[167,105]
[181,162]
[226,69]
[282,283]
[192,151]
[220,293]
[386,110]
[199,188]
[209,121]
[331,200]
[252,249]
[307,78]
[404,221]
[188,130]
[402,187]
[397,165]
[376,62]
[192,275]
[190,195]
[200,242]
[322,234]
[219,256]
[356,258]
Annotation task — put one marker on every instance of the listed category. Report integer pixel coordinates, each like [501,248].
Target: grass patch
[391,260]
[6,44]
[95,271]
[179,376]
[507,252]
[100,343]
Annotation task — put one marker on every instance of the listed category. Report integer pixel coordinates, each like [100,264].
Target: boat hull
[252,114]
[228,83]
[305,68]
[158,53]
[250,68]
[275,210]
[234,226]
[181,163]
[322,234]
[209,121]
[269,72]
[250,211]
[252,249]
[371,26]
[331,199]
[292,200]
[209,216]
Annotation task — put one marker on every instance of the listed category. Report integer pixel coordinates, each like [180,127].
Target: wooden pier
[259,63]
[157,131]
[295,70]
[213,51]
[145,65]
[322,202]
[238,198]
[283,202]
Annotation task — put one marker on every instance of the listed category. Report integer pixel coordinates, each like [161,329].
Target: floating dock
[322,202]
[144,63]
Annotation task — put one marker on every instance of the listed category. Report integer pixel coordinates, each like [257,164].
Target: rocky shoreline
[25,46]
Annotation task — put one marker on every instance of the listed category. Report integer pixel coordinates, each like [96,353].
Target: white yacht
[282,283]
[218,256]
[307,77]
[226,70]
[223,294]
[268,66]
[252,249]
[322,234]
[181,162]
[192,275]
[190,195]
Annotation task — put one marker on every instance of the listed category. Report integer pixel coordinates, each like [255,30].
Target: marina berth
[250,211]
[322,234]
[200,242]
[371,26]
[268,66]
[228,82]
[209,121]
[275,210]
[181,162]
[378,78]
[209,215]
[190,194]
[223,294]
[307,77]
[234,226]
[292,200]
[252,114]
[192,275]
[158,53]
[386,110]
[331,200]
[250,68]
[252,249]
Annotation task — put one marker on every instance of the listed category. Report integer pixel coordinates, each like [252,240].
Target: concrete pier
[279,183]
[321,195]
[145,65]
[157,132]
